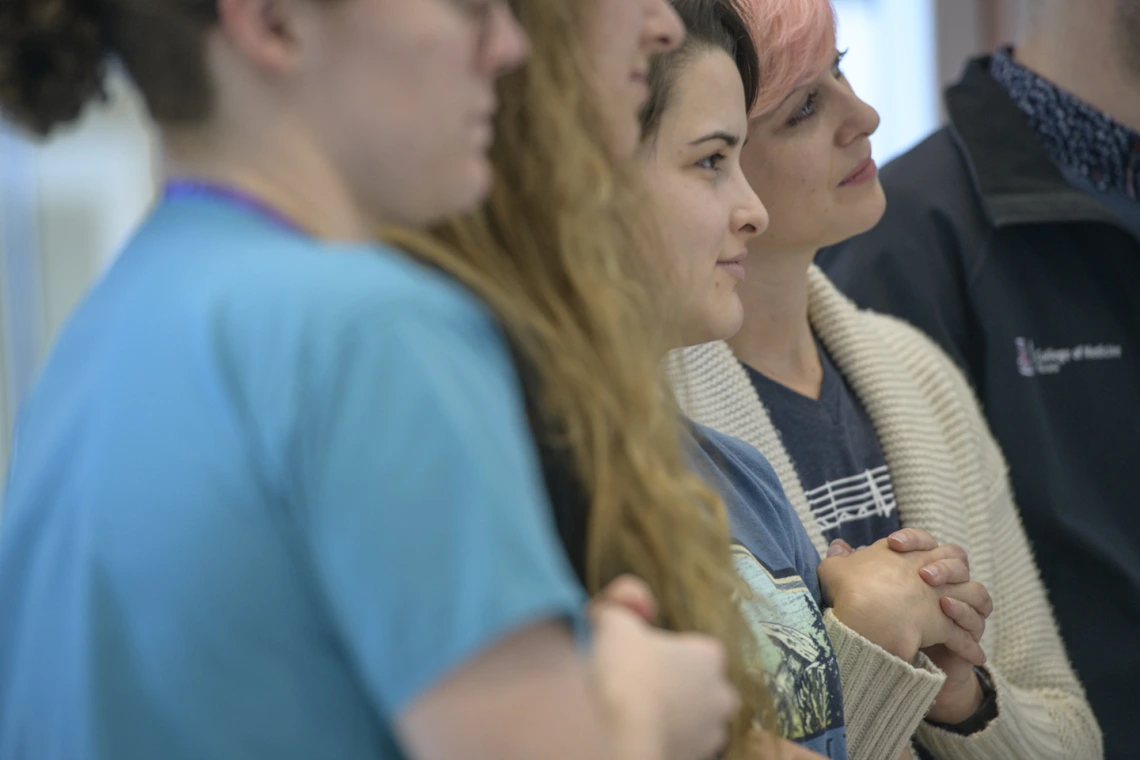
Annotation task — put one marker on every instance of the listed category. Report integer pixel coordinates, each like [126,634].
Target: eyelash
[715,160]
[808,109]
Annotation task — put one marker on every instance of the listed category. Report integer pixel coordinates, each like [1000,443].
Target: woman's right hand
[878,592]
[666,695]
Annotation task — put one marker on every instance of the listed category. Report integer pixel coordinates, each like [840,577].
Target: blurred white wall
[66,205]
[892,63]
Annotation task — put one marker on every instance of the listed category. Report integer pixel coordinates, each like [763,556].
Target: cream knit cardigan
[949,478]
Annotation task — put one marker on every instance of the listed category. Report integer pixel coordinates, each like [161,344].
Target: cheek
[694,232]
[611,39]
[423,57]
[793,189]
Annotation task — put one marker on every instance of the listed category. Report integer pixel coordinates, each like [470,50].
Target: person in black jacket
[1012,237]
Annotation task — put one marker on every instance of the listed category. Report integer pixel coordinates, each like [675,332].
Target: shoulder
[244,273]
[886,349]
[913,354]
[753,495]
[933,184]
[946,392]
[273,317]
[938,155]
[737,459]
[336,287]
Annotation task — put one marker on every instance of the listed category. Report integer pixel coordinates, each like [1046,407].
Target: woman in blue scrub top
[274,494]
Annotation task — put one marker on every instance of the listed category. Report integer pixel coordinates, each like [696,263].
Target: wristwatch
[986,712]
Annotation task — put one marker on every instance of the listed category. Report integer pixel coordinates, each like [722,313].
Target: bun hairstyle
[52,60]
[55,54]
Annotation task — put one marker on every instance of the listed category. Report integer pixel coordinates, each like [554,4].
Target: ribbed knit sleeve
[884,698]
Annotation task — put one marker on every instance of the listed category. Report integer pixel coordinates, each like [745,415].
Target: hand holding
[666,695]
[879,592]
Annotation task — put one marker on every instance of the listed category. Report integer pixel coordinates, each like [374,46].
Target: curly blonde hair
[561,252]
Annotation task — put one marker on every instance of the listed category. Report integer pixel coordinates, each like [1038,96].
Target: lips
[735,265]
[737,259]
[863,172]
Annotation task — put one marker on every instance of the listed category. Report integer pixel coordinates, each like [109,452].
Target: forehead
[707,96]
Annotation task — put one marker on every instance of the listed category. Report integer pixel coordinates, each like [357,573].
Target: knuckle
[957,568]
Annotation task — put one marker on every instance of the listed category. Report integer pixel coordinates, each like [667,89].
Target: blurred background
[67,204]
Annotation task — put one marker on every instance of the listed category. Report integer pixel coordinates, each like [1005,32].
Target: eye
[806,111]
[712,162]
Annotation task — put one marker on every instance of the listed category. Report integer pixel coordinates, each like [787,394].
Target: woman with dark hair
[871,428]
[814,636]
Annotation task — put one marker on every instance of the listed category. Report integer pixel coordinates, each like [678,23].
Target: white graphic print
[855,498]
[1032,361]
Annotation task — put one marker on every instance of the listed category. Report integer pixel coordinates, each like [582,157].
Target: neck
[776,338]
[1079,48]
[278,169]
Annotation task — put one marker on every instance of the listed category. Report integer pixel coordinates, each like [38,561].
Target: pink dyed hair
[795,40]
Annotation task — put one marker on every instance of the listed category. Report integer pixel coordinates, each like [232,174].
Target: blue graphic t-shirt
[836,452]
[776,559]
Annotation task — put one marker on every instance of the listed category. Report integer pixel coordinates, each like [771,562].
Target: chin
[472,189]
[625,136]
[873,208]
[859,219]
[721,325]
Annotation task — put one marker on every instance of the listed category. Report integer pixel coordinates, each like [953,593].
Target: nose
[862,121]
[750,217]
[662,29]
[504,43]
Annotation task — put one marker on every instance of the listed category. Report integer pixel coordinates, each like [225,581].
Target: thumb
[839,548]
[632,593]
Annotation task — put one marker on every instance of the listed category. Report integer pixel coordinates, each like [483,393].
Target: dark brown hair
[54,56]
[710,25]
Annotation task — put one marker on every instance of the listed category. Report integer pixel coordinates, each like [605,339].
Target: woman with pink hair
[871,428]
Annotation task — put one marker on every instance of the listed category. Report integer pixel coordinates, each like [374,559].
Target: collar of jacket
[1012,172]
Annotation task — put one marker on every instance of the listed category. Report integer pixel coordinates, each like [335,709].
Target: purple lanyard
[200,188]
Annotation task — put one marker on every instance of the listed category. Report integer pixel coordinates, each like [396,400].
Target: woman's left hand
[961,695]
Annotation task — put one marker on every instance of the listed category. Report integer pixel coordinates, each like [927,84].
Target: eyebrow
[729,139]
[799,88]
[791,95]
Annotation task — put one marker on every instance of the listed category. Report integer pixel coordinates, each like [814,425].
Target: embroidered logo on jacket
[1032,361]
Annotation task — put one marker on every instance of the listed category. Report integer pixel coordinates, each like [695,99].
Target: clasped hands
[907,594]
